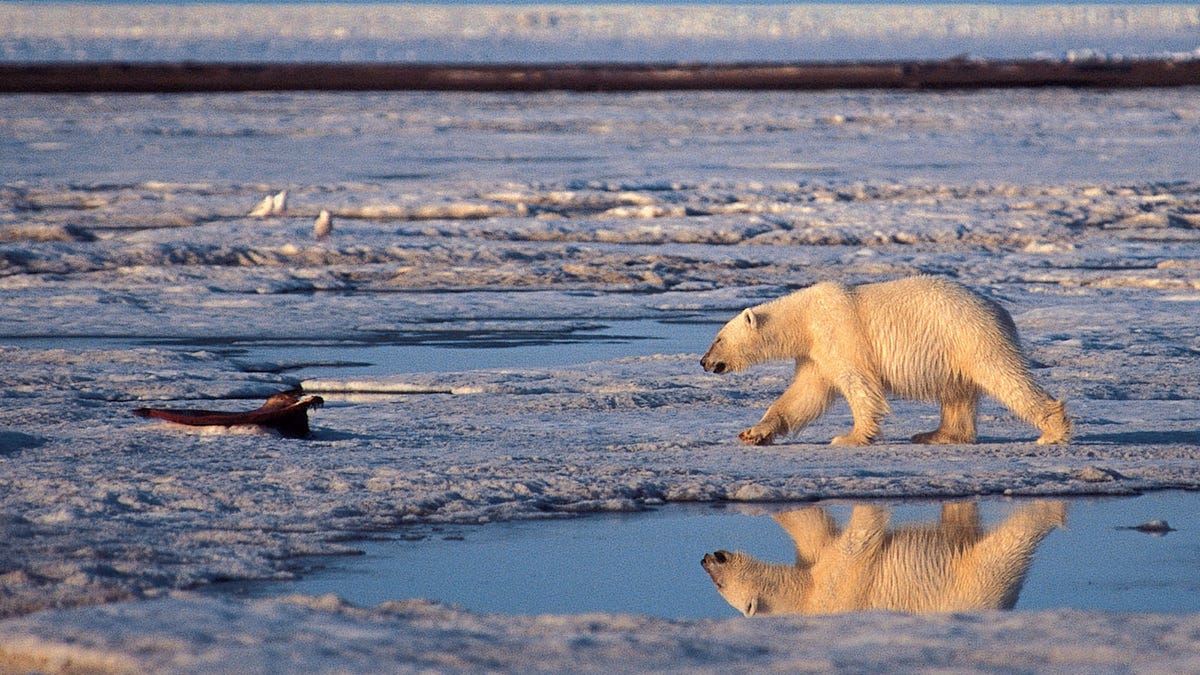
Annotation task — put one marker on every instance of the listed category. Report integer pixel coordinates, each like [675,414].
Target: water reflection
[948,565]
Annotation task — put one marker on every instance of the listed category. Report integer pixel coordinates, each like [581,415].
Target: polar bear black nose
[721,557]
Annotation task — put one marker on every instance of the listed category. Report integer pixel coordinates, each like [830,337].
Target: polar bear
[948,567]
[922,337]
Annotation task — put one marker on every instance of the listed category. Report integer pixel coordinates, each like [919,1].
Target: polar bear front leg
[762,433]
[773,423]
[806,398]
[868,405]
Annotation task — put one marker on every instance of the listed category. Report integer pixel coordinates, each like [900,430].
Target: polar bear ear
[750,318]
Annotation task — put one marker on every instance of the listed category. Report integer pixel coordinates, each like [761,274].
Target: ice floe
[132,277]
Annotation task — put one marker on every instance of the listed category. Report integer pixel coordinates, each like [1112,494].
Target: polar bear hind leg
[958,418]
[1014,387]
[1055,425]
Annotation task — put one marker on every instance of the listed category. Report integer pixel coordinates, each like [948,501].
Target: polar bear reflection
[951,565]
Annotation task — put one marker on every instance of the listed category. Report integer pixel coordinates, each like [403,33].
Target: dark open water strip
[589,77]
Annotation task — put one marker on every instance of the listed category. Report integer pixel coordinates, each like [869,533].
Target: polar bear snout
[719,557]
[712,563]
[713,365]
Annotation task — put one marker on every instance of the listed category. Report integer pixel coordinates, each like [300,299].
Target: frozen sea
[506,323]
[530,32]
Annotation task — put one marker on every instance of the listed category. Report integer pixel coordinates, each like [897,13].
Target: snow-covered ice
[132,276]
[185,633]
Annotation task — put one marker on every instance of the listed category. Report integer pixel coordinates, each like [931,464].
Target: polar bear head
[754,587]
[738,345]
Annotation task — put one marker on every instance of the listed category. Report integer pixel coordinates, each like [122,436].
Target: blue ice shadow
[13,442]
[1186,437]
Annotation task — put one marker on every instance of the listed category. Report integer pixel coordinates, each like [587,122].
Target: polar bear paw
[851,439]
[757,435]
[1055,425]
[941,437]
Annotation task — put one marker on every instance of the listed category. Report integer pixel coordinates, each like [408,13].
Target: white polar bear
[923,338]
[948,567]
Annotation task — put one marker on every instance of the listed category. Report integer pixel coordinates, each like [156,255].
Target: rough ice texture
[188,634]
[128,266]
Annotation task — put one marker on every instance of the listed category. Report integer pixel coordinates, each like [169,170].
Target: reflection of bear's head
[752,586]
[737,345]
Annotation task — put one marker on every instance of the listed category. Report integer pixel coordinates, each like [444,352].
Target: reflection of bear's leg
[1011,384]
[868,405]
[844,576]
[958,419]
[812,530]
[805,399]
[991,574]
[864,532]
[961,521]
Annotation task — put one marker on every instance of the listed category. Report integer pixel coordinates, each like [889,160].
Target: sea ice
[132,277]
[506,33]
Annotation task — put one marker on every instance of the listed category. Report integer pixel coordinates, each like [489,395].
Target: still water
[512,346]
[511,343]
[650,562]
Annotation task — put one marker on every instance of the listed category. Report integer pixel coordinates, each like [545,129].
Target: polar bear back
[930,336]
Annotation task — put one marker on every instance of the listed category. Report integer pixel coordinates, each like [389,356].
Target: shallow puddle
[513,344]
[513,347]
[650,563]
